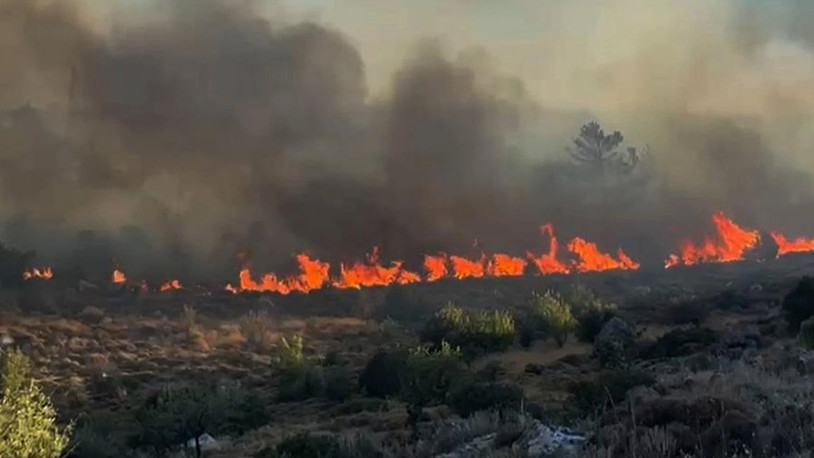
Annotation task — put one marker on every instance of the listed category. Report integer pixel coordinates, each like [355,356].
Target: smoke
[171,137]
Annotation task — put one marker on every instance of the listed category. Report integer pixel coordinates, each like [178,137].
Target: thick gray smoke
[170,138]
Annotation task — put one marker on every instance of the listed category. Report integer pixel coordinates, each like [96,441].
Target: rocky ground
[727,376]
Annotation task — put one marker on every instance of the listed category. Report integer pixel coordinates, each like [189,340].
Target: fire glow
[315,274]
[730,243]
[118,276]
[43,273]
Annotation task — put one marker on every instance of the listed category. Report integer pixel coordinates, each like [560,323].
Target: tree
[28,426]
[602,151]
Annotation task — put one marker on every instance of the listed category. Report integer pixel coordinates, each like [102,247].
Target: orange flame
[731,243]
[374,274]
[44,273]
[171,285]
[593,260]
[436,266]
[118,276]
[503,265]
[315,274]
[547,263]
[467,268]
[786,246]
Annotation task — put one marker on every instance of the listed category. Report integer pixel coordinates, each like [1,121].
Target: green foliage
[469,397]
[383,374]
[806,334]
[289,353]
[554,315]
[301,383]
[475,331]
[591,316]
[431,373]
[798,305]
[592,397]
[95,440]
[174,415]
[27,419]
[304,445]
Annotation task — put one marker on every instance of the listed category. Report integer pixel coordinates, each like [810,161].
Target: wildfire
[786,246]
[118,276]
[315,274]
[729,244]
[171,285]
[44,273]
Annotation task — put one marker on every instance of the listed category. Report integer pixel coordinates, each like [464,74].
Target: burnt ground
[100,350]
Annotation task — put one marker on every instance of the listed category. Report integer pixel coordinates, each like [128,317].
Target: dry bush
[256,329]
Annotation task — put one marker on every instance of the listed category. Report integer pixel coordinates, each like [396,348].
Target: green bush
[404,305]
[301,383]
[470,397]
[96,440]
[590,319]
[288,354]
[798,305]
[383,374]
[174,415]
[806,335]
[475,331]
[554,315]
[28,426]
[431,373]
[680,342]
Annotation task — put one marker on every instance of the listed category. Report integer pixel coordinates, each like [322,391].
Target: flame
[171,285]
[372,273]
[44,273]
[547,263]
[730,244]
[593,260]
[467,268]
[315,274]
[503,265]
[118,276]
[436,266]
[786,246]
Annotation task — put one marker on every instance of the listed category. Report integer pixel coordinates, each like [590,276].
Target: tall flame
[593,260]
[730,244]
[547,263]
[313,275]
[44,273]
[436,266]
[118,276]
[372,273]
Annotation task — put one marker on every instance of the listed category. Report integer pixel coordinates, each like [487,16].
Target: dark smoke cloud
[175,140]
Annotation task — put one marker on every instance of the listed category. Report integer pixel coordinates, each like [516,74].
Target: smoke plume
[182,137]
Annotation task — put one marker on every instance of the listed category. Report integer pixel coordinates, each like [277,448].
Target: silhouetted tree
[594,147]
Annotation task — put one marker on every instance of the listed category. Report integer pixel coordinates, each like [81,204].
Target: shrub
[338,383]
[806,335]
[431,373]
[96,440]
[12,263]
[27,418]
[473,330]
[591,317]
[798,304]
[256,328]
[554,315]
[174,415]
[614,343]
[470,397]
[289,353]
[301,383]
[692,312]
[383,374]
